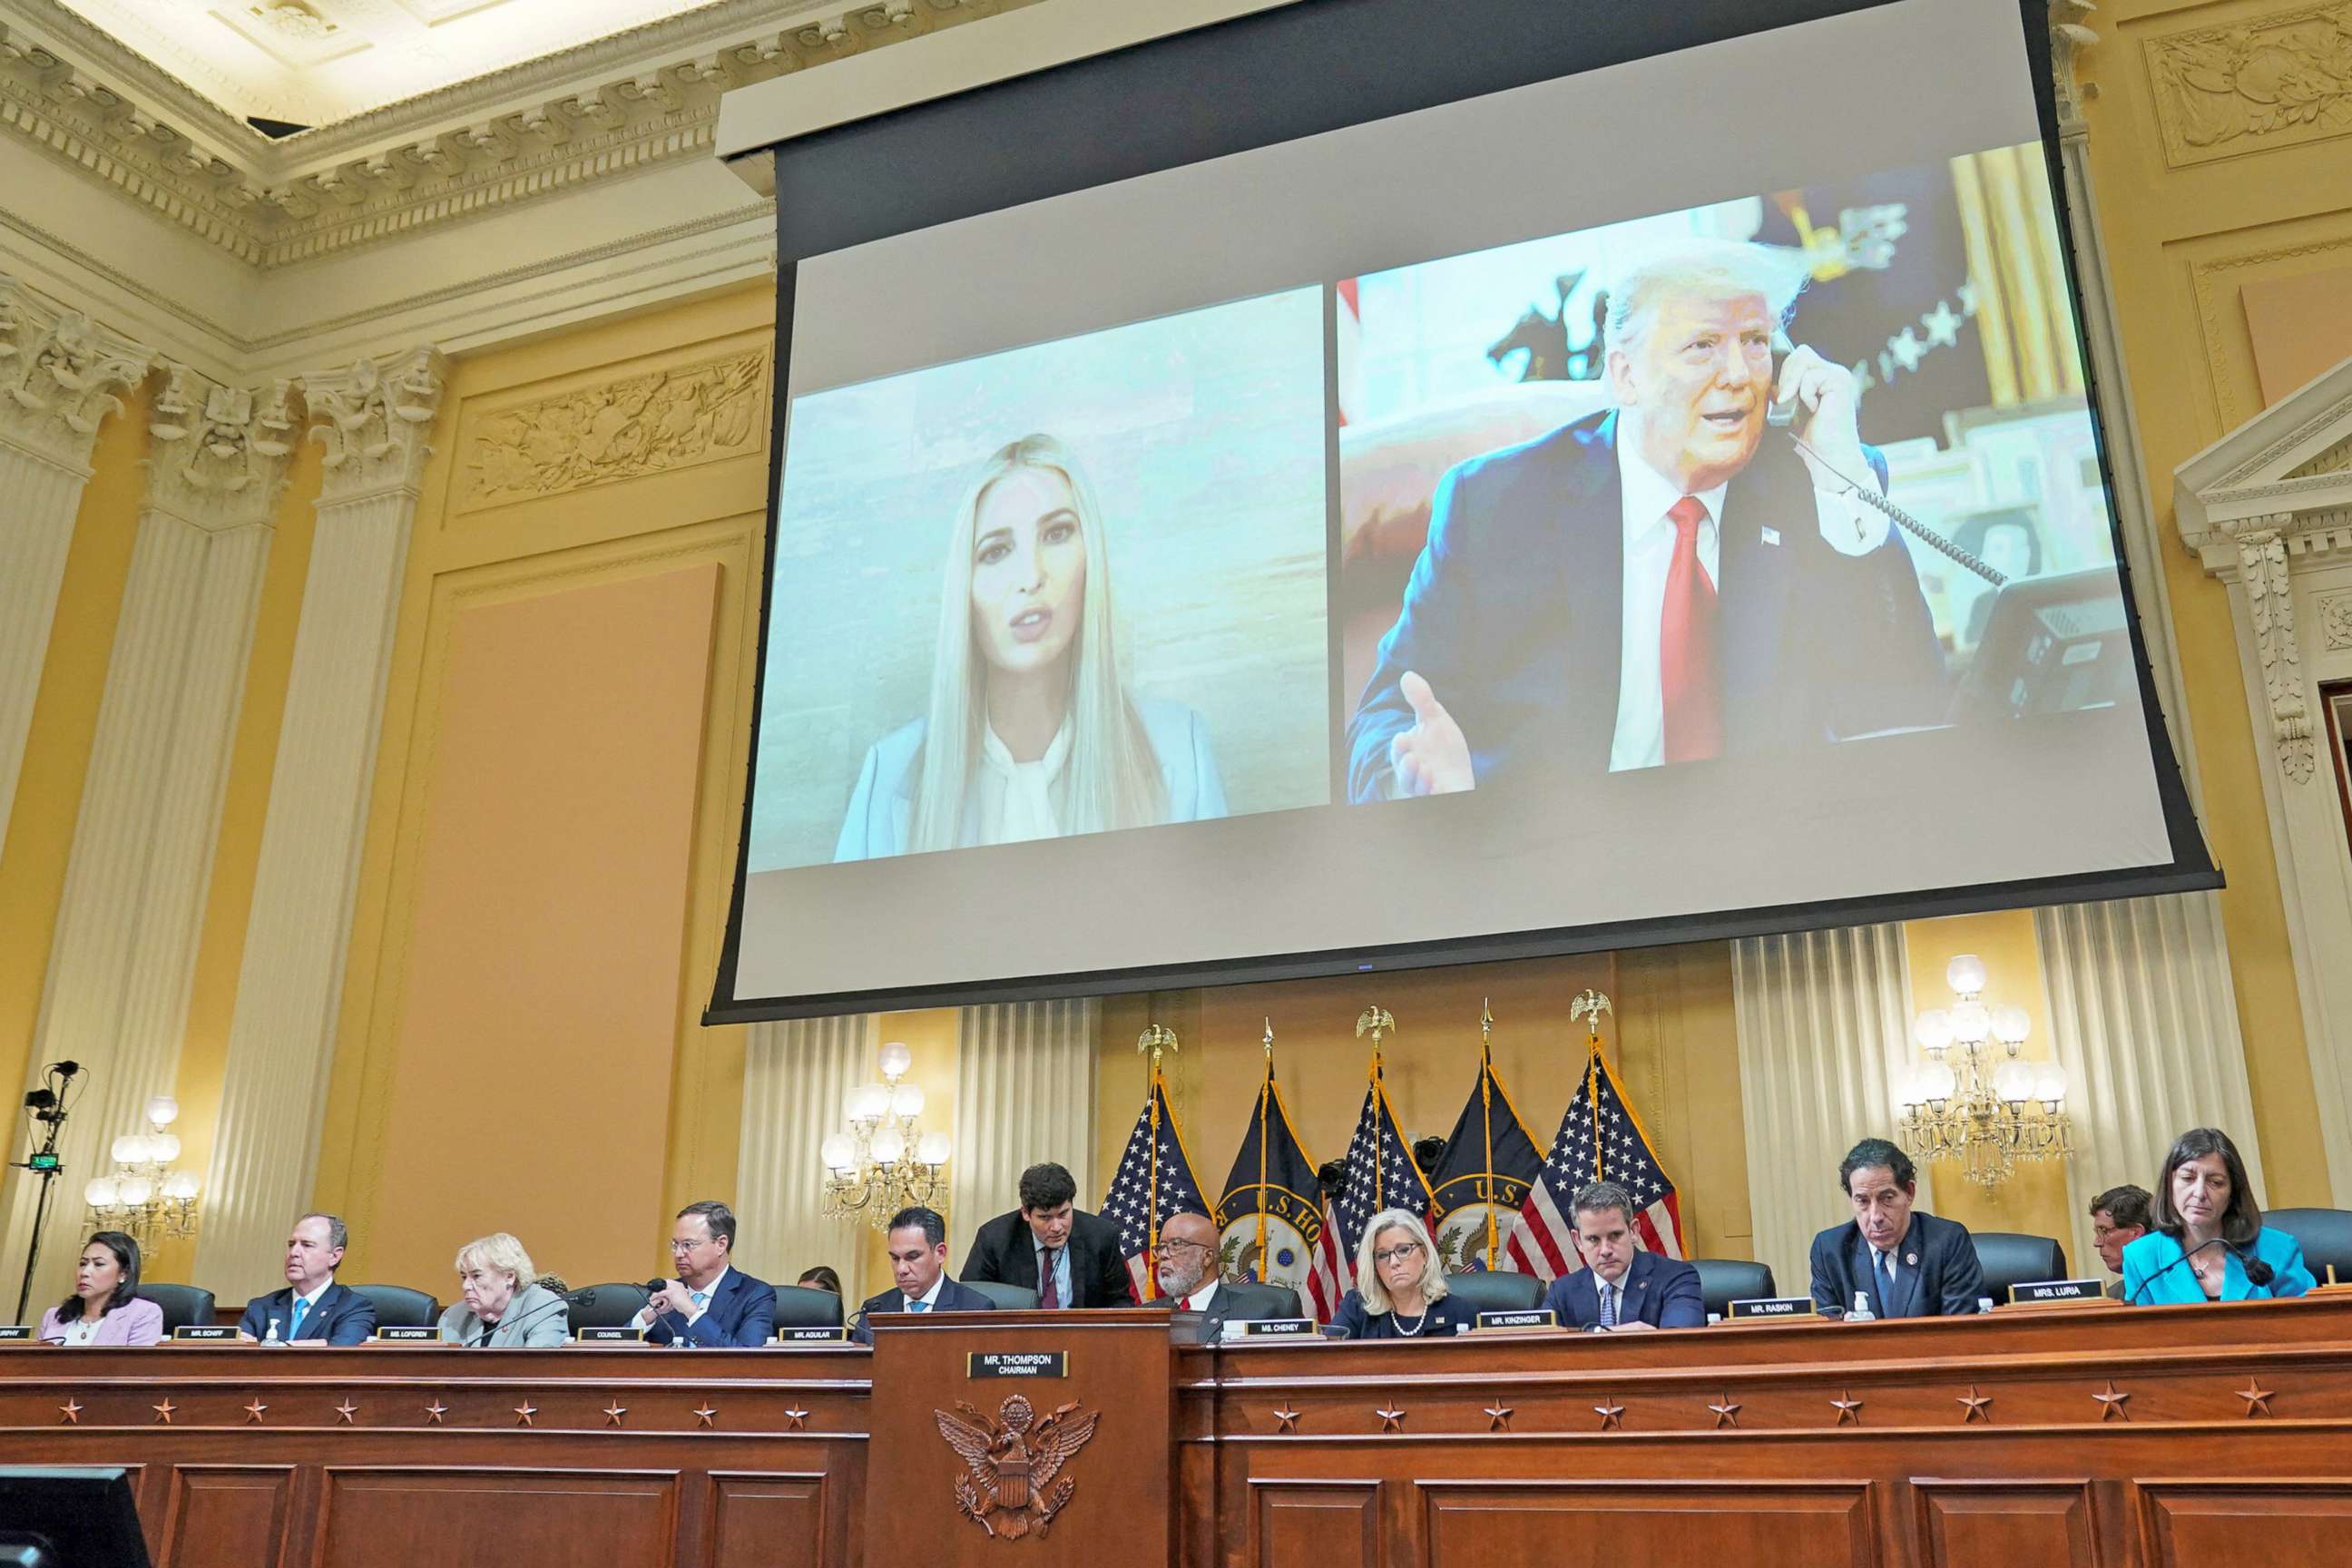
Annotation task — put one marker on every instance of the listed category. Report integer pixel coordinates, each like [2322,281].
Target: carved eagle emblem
[1012,1483]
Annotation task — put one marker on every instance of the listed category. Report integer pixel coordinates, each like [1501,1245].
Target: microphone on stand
[2184,1258]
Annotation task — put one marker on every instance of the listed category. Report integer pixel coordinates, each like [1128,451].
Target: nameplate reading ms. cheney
[1010,1486]
[1017,1363]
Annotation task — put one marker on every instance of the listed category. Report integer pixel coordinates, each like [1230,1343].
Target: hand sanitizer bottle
[1862,1312]
[271,1337]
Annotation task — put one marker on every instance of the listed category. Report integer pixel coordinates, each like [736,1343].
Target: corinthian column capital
[374,420]
[59,375]
[220,453]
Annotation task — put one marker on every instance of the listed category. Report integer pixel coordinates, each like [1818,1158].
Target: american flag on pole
[1381,1174]
[1154,1180]
[1600,1139]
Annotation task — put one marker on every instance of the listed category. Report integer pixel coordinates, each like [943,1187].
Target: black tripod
[46,1107]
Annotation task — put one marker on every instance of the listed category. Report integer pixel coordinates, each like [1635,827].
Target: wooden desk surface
[2093,1435]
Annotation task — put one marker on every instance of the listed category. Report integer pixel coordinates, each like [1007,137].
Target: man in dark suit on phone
[1049,1245]
[1907,1261]
[918,1240]
[1621,1287]
[1668,581]
[313,1309]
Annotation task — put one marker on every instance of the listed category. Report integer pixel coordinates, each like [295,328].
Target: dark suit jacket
[1661,1291]
[1243,1303]
[1004,1252]
[1944,1282]
[1446,1318]
[743,1315]
[342,1317]
[1514,615]
[953,1298]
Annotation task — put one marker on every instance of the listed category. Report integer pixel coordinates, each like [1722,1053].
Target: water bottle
[1862,1312]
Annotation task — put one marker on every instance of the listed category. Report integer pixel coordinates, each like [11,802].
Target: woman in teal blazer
[2210,1243]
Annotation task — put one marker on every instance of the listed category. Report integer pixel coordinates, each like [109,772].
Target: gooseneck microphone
[2186,1255]
[2258,1273]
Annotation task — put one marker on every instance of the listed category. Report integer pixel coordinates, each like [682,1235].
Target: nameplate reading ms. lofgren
[1773,1307]
[409,1334]
[1017,1363]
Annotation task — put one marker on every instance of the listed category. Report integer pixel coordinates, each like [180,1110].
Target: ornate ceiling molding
[603,111]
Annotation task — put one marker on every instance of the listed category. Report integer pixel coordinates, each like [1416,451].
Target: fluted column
[1024,1093]
[1823,1027]
[374,425]
[796,1073]
[132,910]
[2145,1022]
[58,377]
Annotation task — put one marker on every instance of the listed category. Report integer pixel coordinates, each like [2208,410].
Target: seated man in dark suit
[2119,1216]
[1909,1263]
[918,1240]
[710,1303]
[1664,582]
[1185,1266]
[1621,1287]
[1049,1245]
[312,1310]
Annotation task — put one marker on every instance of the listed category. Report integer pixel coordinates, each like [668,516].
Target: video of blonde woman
[1076,587]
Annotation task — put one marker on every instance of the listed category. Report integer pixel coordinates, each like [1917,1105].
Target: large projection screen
[1288,498]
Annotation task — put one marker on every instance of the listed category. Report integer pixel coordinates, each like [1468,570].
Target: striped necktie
[1608,1305]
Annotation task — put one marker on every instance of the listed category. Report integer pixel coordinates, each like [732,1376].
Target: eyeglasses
[1393,1254]
[686,1246]
[1164,1247]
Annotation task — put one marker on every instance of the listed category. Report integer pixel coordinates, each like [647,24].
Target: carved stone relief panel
[2243,86]
[648,423]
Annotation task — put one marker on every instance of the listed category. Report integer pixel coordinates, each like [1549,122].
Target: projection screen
[1660,499]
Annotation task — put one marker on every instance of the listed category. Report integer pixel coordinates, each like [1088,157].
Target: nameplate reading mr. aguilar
[1017,1363]
[805,1335]
[2036,1293]
[1773,1307]
[206,1331]
[409,1334]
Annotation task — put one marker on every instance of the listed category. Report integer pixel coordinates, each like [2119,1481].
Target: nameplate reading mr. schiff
[409,1334]
[1017,1363]
[1773,1307]
[2043,1292]
[206,1331]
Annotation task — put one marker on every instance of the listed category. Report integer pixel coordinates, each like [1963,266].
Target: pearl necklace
[1418,1323]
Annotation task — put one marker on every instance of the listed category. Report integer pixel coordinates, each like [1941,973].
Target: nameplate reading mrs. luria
[1268,1329]
[409,1334]
[1017,1363]
[608,1333]
[1773,1307]
[1527,1318]
[805,1335]
[2047,1292]
[16,1330]
[206,1331]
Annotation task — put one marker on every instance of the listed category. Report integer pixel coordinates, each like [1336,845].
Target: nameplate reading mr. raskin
[1017,1363]
[1773,1307]
[2035,1291]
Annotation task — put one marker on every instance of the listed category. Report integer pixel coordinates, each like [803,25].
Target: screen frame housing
[1296,48]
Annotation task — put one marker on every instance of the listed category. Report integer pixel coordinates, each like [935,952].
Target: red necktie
[1689,678]
[1048,1294]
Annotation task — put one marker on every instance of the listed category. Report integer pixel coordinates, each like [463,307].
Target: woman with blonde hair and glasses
[1401,1291]
[504,1306]
[1031,733]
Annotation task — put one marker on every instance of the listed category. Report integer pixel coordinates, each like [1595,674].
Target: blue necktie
[1886,1284]
[301,1311]
[918,1306]
[698,1297]
[1608,1305]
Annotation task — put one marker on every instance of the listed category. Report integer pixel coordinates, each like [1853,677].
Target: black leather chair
[1496,1290]
[801,1307]
[1262,1302]
[2325,1236]
[398,1307]
[183,1306]
[2009,1259]
[1723,1281]
[1006,1296]
[603,1306]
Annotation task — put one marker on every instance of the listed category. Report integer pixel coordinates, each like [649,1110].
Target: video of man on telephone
[1804,468]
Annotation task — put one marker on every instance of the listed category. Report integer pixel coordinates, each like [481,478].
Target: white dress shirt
[1198,1302]
[1600,1289]
[79,1331]
[652,1313]
[1015,800]
[931,1298]
[1848,526]
[311,1310]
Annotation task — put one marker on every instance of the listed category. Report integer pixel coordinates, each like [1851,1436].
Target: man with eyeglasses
[2119,1216]
[709,1304]
[1183,1265]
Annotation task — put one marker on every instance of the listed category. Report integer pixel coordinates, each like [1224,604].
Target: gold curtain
[2023,317]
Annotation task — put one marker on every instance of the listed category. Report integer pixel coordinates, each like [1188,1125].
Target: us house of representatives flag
[1600,1139]
[1153,1181]
[1272,1212]
[1490,1165]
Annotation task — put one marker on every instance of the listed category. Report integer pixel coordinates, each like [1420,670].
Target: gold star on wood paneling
[1289,1419]
[69,1413]
[164,1412]
[1611,1415]
[1726,1414]
[1391,1419]
[434,1411]
[798,1420]
[347,1410]
[2111,1403]
[1978,1405]
[707,1412]
[1498,1416]
[614,1412]
[2257,1398]
[524,1412]
[1849,1409]
[253,1412]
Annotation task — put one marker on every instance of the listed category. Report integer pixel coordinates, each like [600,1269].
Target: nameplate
[609,1333]
[1017,1363]
[1268,1329]
[206,1331]
[1527,1318]
[809,1336]
[2049,1292]
[15,1332]
[409,1334]
[1773,1307]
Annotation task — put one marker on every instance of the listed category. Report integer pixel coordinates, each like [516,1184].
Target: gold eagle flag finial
[1590,1007]
[1375,1021]
[1157,1039]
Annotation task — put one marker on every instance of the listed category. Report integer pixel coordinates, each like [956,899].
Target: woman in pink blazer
[104,1308]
